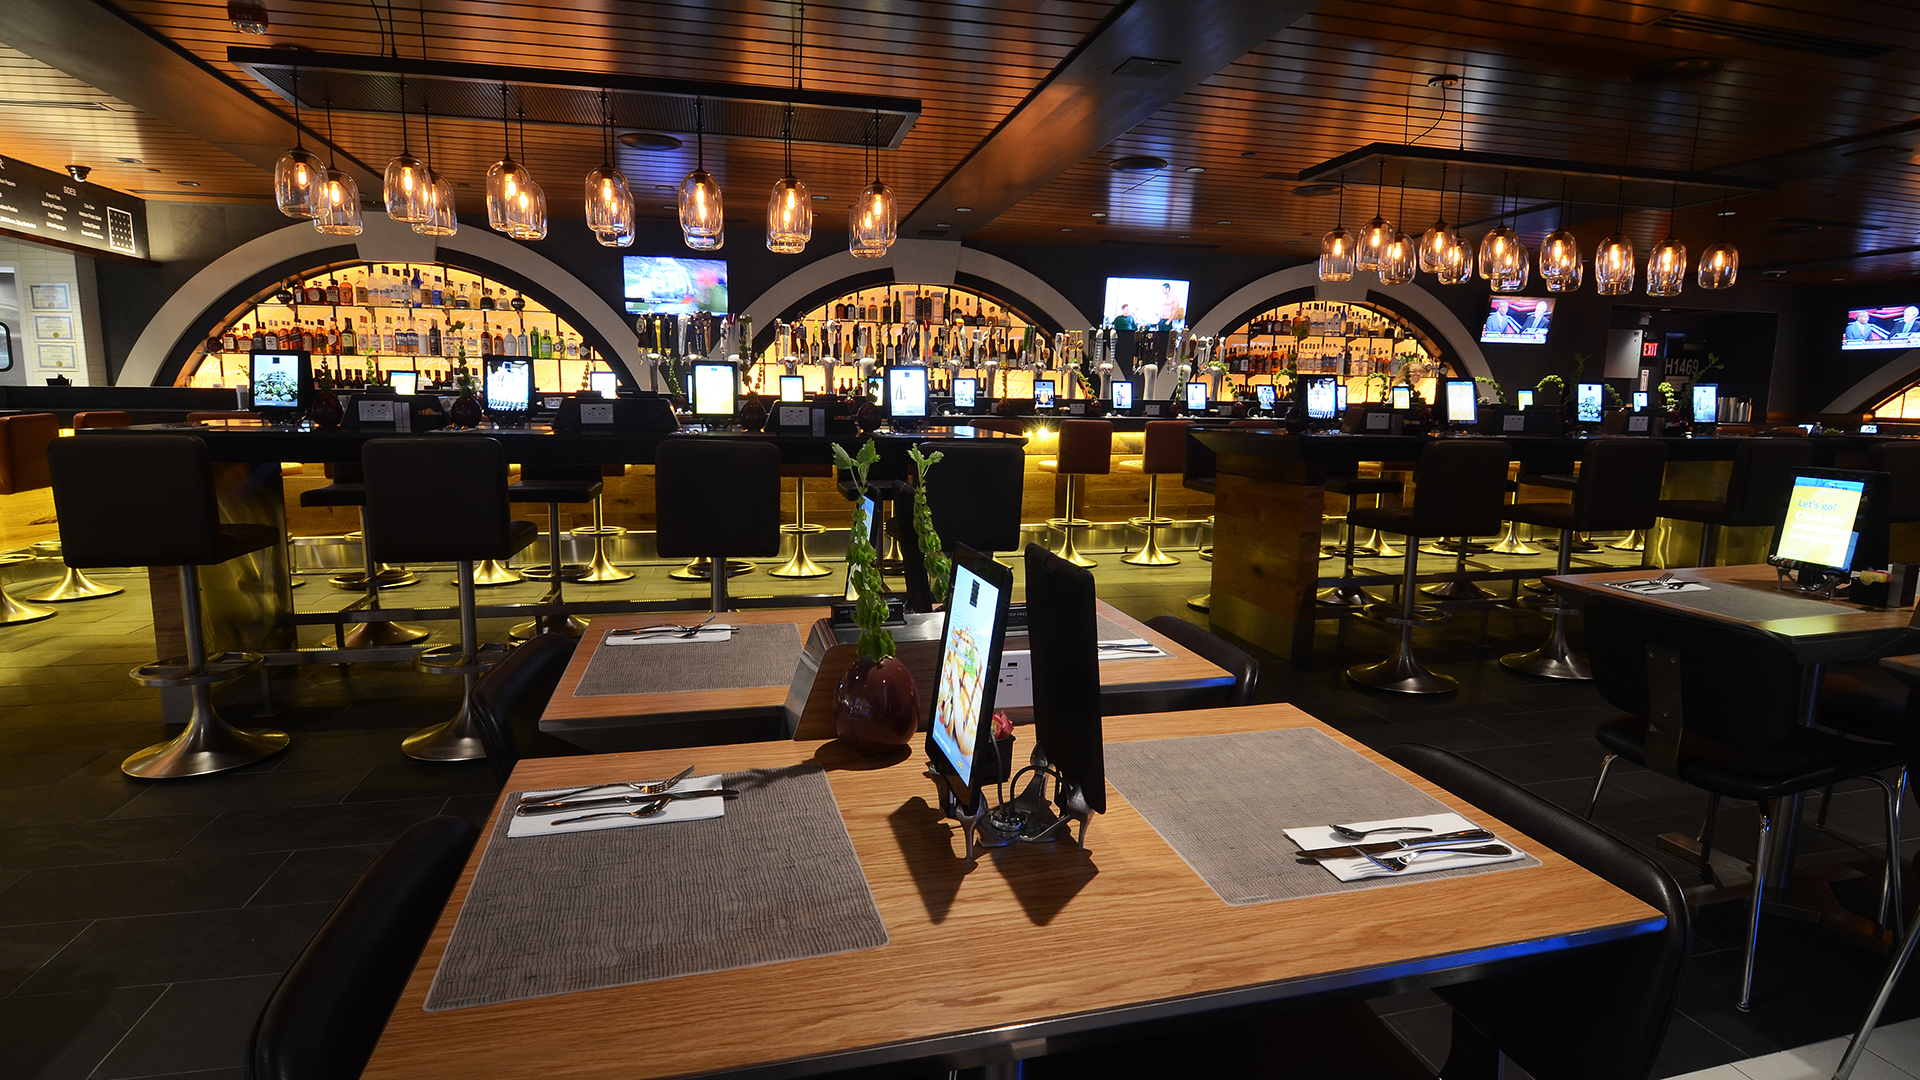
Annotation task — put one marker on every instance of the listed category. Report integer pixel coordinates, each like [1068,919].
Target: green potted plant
[939,567]
[876,707]
[465,411]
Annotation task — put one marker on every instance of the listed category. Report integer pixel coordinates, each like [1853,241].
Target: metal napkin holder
[1028,818]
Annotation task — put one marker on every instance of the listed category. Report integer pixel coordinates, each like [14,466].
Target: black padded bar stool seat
[1757,491]
[717,498]
[554,484]
[150,500]
[974,493]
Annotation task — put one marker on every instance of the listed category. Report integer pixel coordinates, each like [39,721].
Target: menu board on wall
[46,205]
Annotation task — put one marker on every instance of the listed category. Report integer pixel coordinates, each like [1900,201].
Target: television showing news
[1320,400]
[1145,304]
[1820,526]
[1518,320]
[659,283]
[1706,403]
[1589,402]
[1882,328]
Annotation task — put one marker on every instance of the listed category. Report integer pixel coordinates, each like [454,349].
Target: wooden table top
[1032,942]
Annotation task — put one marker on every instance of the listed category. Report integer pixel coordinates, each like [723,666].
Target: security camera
[79,172]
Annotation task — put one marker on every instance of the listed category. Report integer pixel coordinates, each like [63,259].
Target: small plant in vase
[876,707]
[465,411]
[325,409]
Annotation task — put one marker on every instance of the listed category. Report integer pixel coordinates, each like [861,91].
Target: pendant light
[609,201]
[527,213]
[1720,262]
[1439,236]
[1511,263]
[338,213]
[1667,262]
[872,225]
[1500,247]
[1375,235]
[1336,248]
[299,175]
[1560,254]
[1456,261]
[441,218]
[1613,259]
[1400,259]
[708,243]
[406,180]
[789,208]
[701,220]
[506,177]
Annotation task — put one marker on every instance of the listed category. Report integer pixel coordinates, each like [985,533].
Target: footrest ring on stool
[176,672]
[1389,615]
[447,659]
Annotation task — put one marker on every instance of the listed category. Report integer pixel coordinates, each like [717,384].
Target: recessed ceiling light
[1184,236]
[128,160]
[462,183]
[153,170]
[1097,214]
[668,206]
[1137,163]
[188,183]
[1248,153]
[819,198]
[1067,228]
[944,225]
[663,187]
[963,209]
[1293,241]
[1726,213]
[1195,169]
[1223,221]
[649,140]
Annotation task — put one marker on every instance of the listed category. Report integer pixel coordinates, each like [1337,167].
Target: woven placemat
[1221,801]
[775,879]
[753,656]
[1746,602]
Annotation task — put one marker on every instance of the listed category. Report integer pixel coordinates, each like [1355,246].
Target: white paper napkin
[710,633]
[1359,869]
[541,824]
[1137,649]
[1650,587]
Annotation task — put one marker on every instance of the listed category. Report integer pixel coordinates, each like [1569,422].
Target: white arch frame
[916,262]
[383,240]
[1457,336]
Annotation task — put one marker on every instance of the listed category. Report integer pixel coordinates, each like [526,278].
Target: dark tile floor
[142,925]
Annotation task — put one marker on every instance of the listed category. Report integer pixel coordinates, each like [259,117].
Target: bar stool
[1619,489]
[716,498]
[149,500]
[1353,487]
[1510,542]
[602,571]
[1457,485]
[348,488]
[1197,474]
[554,484]
[975,494]
[1164,450]
[1757,491]
[108,418]
[1085,449]
[23,467]
[445,500]
[802,564]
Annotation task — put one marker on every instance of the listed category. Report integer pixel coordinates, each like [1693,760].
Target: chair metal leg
[380,633]
[1858,1044]
[719,590]
[457,739]
[1346,595]
[72,586]
[1555,659]
[601,571]
[1705,839]
[1890,906]
[1150,553]
[1763,852]
[556,575]
[1599,782]
[1708,534]
[1068,550]
[802,564]
[1402,672]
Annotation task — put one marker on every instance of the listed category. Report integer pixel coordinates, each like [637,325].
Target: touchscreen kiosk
[1122,396]
[280,380]
[1523,399]
[1589,401]
[963,390]
[1640,401]
[1834,521]
[876,389]
[966,674]
[1320,399]
[1462,403]
[1266,395]
[509,385]
[1869,429]
[1340,398]
[1196,397]
[1063,634]
[1403,397]
[1706,403]
[793,388]
[604,383]
[404,383]
[907,392]
[1043,393]
[713,386]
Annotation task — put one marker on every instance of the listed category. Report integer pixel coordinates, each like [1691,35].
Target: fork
[644,787]
[648,810]
[1347,832]
[1394,864]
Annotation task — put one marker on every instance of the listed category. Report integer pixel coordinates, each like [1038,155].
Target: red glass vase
[876,707]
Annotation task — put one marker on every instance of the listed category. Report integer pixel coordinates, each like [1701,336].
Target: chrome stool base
[1402,673]
[14,613]
[74,586]
[209,744]
[375,635]
[602,570]
[1553,660]
[488,574]
[387,577]
[457,739]
[1344,596]
[1633,541]
[1068,550]
[1150,553]
[572,626]
[801,565]
[1203,602]
[1511,544]
[701,569]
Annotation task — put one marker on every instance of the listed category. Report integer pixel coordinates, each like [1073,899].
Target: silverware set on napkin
[1394,856]
[669,630]
[647,797]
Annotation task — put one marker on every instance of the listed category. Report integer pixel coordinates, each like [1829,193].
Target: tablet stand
[1817,581]
[1026,818]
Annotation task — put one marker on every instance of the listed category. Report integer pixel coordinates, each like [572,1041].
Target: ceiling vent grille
[1774,37]
[41,103]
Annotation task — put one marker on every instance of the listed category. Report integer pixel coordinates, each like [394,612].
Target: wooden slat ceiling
[1545,79]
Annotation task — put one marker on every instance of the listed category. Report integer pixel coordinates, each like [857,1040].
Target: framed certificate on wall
[49,297]
[53,327]
[59,357]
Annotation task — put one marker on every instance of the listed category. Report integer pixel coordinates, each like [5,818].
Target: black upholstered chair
[348,487]
[149,500]
[436,499]
[1757,491]
[1457,487]
[1717,705]
[1618,490]
[509,698]
[554,484]
[1613,1001]
[716,498]
[1217,651]
[324,1019]
[974,493]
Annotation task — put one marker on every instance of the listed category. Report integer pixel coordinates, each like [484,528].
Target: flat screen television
[907,392]
[1835,520]
[1145,304]
[793,388]
[1196,397]
[1882,328]
[713,390]
[1589,402]
[665,284]
[604,383]
[1517,320]
[1321,399]
[509,384]
[1706,403]
[1523,399]
[1122,396]
[404,383]
[1463,404]
[1403,397]
[280,380]
[1043,393]
[963,392]
[1266,395]
[966,672]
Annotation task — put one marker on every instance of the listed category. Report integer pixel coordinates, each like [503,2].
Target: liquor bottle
[522,344]
[573,348]
[499,344]
[386,336]
[412,346]
[348,343]
[439,291]
[360,289]
[333,337]
[486,299]
[333,292]
[419,293]
[314,293]
[228,343]
[509,346]
[433,338]
[939,312]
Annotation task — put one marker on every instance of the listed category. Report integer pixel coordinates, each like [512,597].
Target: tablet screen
[960,700]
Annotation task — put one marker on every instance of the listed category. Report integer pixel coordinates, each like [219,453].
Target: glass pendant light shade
[1510,273]
[339,213]
[1456,262]
[406,189]
[1613,266]
[875,223]
[298,179]
[504,183]
[527,213]
[1433,245]
[1337,255]
[1719,265]
[1667,268]
[1375,235]
[1498,248]
[708,243]
[700,210]
[1560,261]
[440,220]
[789,217]
[859,225]
[1399,260]
[609,202]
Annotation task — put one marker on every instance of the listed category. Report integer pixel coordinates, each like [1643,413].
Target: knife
[1355,851]
[621,800]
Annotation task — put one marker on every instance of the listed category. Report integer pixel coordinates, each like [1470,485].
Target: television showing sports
[1589,402]
[1882,328]
[1145,304]
[1321,404]
[1518,320]
[663,284]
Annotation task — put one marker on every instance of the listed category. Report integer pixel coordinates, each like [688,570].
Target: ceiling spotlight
[663,187]
[1223,221]
[1196,169]
[188,183]
[944,225]
[1097,214]
[1067,228]
[128,160]
[1137,163]
[963,209]
[648,140]
[79,172]
[247,16]
[1184,236]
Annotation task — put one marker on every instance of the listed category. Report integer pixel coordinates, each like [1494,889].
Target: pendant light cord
[1443,195]
[297,144]
[700,130]
[426,119]
[506,128]
[330,161]
[403,116]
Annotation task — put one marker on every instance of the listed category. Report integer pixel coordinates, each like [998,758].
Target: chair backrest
[1199,465]
[974,493]
[509,698]
[714,497]
[23,451]
[1164,446]
[1459,487]
[436,499]
[134,500]
[1619,484]
[324,1019]
[1612,1001]
[1762,479]
[99,418]
[1217,651]
[1086,447]
[1738,685]
[1900,460]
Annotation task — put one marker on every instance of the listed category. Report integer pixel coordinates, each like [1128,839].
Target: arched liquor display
[1366,345]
